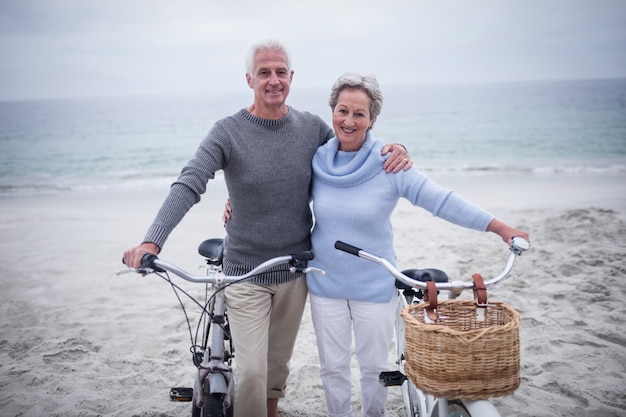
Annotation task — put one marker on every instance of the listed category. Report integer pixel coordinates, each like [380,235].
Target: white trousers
[373,324]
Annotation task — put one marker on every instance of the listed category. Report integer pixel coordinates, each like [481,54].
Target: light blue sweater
[353,199]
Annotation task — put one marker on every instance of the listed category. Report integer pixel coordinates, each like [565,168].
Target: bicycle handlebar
[518,246]
[151,263]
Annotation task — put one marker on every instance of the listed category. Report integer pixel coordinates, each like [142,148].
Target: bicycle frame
[214,367]
[214,385]
[417,403]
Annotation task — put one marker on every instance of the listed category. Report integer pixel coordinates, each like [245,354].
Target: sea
[534,128]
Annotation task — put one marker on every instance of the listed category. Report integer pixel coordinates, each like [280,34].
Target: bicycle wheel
[195,411]
[457,409]
[480,408]
[213,407]
[412,404]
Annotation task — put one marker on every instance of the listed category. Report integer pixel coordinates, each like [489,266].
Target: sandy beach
[77,340]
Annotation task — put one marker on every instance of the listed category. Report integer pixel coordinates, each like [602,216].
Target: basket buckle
[480,311]
[480,294]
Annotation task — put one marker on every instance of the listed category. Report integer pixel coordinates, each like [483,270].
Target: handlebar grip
[303,256]
[520,244]
[353,250]
[146,261]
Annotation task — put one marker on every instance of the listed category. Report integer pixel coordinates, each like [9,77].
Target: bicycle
[413,286]
[214,385]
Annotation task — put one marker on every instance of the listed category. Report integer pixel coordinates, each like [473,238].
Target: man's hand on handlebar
[132,256]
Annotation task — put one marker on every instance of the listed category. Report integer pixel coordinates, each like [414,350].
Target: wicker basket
[459,356]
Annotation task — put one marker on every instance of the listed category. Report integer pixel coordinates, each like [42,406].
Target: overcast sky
[83,48]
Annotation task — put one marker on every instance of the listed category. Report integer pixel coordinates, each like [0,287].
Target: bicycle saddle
[212,250]
[424,275]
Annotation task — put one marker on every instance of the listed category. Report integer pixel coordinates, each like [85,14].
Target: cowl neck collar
[346,169]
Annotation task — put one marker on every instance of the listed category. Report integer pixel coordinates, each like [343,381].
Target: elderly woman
[353,200]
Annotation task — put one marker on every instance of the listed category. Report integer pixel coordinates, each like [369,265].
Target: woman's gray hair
[367,83]
[262,45]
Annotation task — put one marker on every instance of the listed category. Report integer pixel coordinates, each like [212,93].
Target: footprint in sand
[72,350]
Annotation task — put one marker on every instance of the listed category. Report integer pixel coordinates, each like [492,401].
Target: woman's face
[351,118]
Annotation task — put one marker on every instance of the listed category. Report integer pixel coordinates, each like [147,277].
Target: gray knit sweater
[267,168]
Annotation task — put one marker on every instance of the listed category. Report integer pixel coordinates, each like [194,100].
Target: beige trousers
[264,322]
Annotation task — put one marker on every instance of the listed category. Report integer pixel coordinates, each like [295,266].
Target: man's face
[271,78]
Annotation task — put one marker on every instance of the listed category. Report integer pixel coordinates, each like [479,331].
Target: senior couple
[276,160]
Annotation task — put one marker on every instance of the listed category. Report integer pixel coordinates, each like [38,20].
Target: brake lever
[143,271]
[314,270]
[301,269]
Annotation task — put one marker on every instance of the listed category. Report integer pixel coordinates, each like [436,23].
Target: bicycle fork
[214,375]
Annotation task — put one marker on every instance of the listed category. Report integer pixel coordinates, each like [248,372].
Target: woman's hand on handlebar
[506,232]
[132,256]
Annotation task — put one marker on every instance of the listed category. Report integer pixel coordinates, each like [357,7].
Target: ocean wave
[64,185]
[128,183]
[581,169]
[32,188]
[530,170]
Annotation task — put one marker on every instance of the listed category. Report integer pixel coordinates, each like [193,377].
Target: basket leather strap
[430,296]
[480,291]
